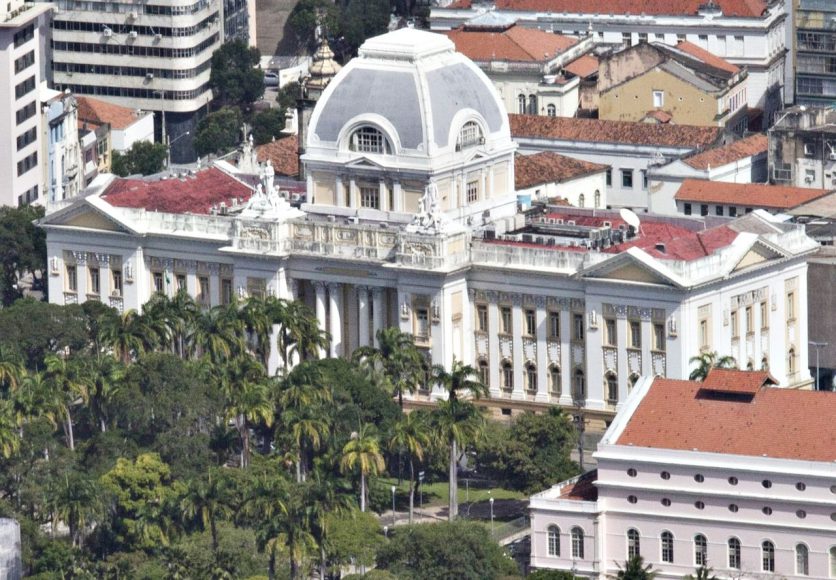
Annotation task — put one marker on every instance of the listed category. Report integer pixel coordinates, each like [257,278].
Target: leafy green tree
[396,358]
[143,158]
[69,388]
[444,551]
[353,538]
[702,573]
[9,430]
[218,333]
[105,375]
[289,94]
[636,569]
[127,336]
[308,14]
[533,454]
[22,250]
[706,361]
[29,330]
[362,453]
[363,19]
[192,556]
[172,319]
[411,435]
[458,422]
[550,575]
[205,502]
[268,125]
[235,77]
[219,132]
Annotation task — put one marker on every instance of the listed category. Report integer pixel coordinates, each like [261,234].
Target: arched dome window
[470,135]
[369,140]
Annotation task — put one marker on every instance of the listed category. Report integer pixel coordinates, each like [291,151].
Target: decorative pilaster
[335,319]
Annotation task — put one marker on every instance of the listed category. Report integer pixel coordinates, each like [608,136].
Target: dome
[415,88]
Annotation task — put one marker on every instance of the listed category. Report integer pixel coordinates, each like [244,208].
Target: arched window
[484,372]
[667,547]
[764,364]
[802,560]
[634,548]
[521,104]
[579,386]
[734,553]
[791,362]
[507,376]
[612,387]
[532,104]
[470,134]
[531,377]
[768,556]
[554,541]
[750,365]
[577,543]
[581,200]
[369,140]
[551,110]
[554,380]
[700,550]
[597,198]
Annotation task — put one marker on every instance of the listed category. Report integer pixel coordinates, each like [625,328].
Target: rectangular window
[25,87]
[642,37]
[732,211]
[790,305]
[370,197]
[686,209]
[72,279]
[611,337]
[505,319]
[116,282]
[764,316]
[25,35]
[704,338]
[704,209]
[703,40]
[554,324]
[635,334]
[27,112]
[24,61]
[733,322]
[609,177]
[27,163]
[181,282]
[626,39]
[203,290]
[627,178]
[680,38]
[95,281]
[422,322]
[158,281]
[482,317]
[659,337]
[658,99]
[26,138]
[530,323]
[750,320]
[718,209]
[472,191]
[577,327]
[226,291]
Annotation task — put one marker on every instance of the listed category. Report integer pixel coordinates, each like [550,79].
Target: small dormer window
[369,140]
[470,135]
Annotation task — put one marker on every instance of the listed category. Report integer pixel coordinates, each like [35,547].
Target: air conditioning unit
[149,76]
[832,156]
[133,34]
[158,36]
[107,32]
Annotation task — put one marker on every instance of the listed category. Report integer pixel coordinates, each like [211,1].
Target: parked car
[271,79]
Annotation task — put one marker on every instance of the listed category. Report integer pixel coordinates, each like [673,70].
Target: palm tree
[9,435]
[258,317]
[635,569]
[264,503]
[363,453]
[10,373]
[69,387]
[128,335]
[397,358]
[74,500]
[458,422]
[324,500]
[300,333]
[218,333]
[702,573]
[411,434]
[204,502]
[106,374]
[706,361]
[172,319]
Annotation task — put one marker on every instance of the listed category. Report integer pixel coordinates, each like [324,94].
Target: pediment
[363,162]
[757,254]
[629,268]
[89,218]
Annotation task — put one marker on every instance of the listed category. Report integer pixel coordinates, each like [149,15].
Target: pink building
[730,473]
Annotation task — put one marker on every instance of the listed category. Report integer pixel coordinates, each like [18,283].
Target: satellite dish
[630,218]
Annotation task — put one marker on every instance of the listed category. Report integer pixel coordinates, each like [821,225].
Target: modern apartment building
[153,56]
[815,52]
[21,28]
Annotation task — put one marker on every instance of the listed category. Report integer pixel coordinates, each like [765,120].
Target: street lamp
[393,505]
[818,346]
[168,143]
[491,502]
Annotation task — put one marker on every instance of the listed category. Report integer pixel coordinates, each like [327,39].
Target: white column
[397,193]
[647,342]
[340,192]
[320,310]
[566,367]
[519,355]
[363,314]
[335,319]
[352,194]
[493,345]
[483,185]
[542,352]
[377,312]
[383,193]
[623,364]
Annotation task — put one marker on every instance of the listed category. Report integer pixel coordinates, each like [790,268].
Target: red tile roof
[284,153]
[601,131]
[735,381]
[744,8]
[584,66]
[724,154]
[516,44]
[191,194]
[659,116]
[96,112]
[583,489]
[746,194]
[678,243]
[548,167]
[708,58]
[775,422]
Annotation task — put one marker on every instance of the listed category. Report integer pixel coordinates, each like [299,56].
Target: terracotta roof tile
[583,67]
[601,131]
[583,489]
[516,43]
[744,8]
[724,154]
[192,194]
[548,167]
[284,153]
[660,116]
[755,195]
[735,381]
[775,422]
[99,112]
[708,58]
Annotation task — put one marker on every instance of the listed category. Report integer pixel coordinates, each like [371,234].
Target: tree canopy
[22,250]
[219,132]
[235,77]
[143,158]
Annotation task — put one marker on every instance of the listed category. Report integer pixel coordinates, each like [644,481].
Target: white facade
[585,191]
[62,169]
[539,307]
[689,508]
[20,120]
[140,130]
[757,43]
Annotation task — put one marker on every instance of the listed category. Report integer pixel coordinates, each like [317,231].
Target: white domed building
[407,112]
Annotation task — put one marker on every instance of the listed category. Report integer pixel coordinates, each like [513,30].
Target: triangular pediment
[629,267]
[757,254]
[363,162]
[88,217]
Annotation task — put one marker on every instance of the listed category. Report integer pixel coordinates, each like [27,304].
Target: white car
[271,79]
